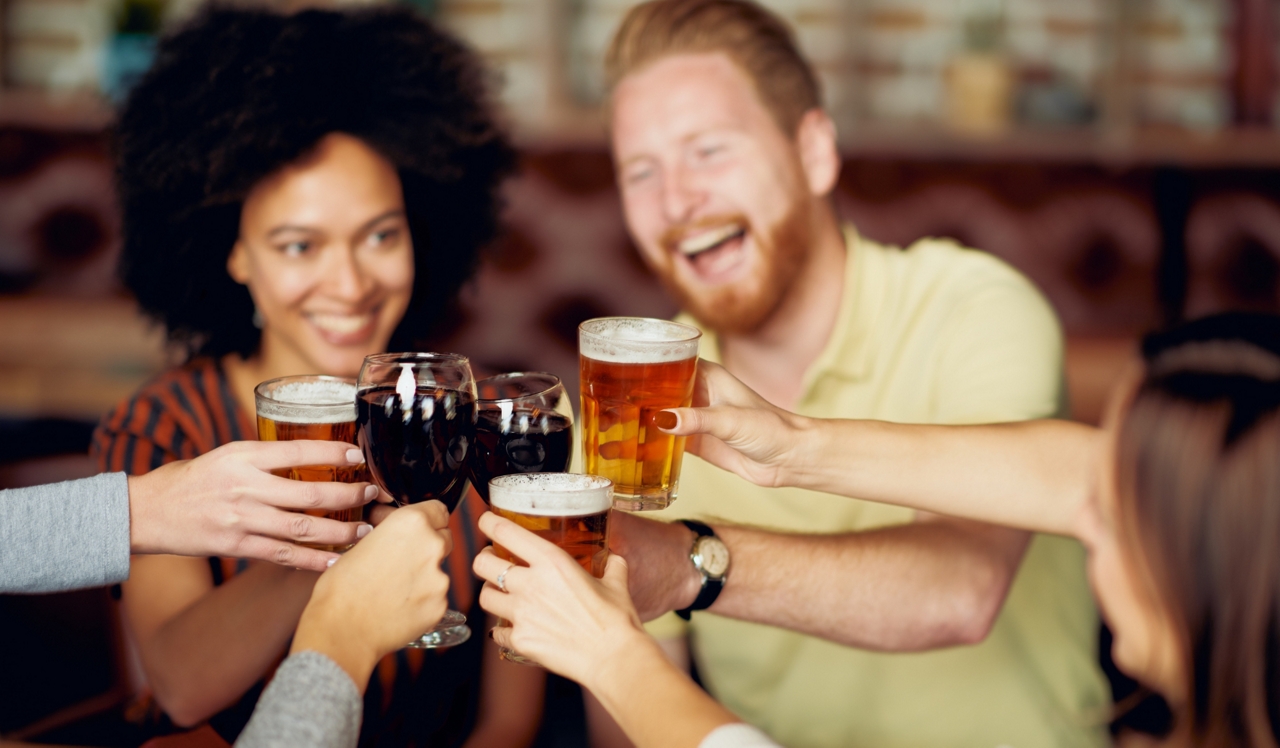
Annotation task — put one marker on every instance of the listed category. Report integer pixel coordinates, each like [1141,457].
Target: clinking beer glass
[632,368]
[567,509]
[312,407]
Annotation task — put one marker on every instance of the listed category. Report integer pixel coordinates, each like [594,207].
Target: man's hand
[381,594]
[662,577]
[227,503]
[735,429]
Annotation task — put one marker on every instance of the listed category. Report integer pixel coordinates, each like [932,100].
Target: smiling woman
[284,181]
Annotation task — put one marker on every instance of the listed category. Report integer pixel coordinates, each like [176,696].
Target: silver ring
[502,578]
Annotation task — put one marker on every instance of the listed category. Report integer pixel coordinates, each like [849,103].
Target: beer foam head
[551,494]
[637,340]
[307,400]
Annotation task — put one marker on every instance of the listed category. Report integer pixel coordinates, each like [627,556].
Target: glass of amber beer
[312,407]
[632,368]
[567,509]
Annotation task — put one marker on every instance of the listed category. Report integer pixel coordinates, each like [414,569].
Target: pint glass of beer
[570,510]
[312,407]
[631,368]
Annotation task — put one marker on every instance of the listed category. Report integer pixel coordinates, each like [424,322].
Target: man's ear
[238,263]
[819,155]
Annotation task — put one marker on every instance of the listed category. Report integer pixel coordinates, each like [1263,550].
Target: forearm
[654,703]
[1034,475]
[905,588]
[205,657]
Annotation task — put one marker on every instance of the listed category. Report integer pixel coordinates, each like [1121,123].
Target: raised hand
[382,593]
[735,429]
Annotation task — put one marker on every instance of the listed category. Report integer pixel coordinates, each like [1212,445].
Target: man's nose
[681,196]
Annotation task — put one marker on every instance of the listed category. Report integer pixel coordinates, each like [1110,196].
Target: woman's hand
[227,503]
[560,616]
[735,429]
[381,594]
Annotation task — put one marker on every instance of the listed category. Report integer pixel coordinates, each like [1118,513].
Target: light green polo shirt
[931,334]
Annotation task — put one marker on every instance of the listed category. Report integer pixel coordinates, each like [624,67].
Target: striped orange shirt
[415,697]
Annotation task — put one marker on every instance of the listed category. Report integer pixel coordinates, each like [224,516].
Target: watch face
[712,557]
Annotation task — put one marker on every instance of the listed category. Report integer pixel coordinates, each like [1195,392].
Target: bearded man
[838,623]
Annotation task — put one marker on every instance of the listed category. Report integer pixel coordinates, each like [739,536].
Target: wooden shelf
[1235,148]
[70,111]
[73,358]
[1141,147]
[584,128]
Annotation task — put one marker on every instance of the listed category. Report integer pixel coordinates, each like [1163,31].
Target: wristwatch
[710,557]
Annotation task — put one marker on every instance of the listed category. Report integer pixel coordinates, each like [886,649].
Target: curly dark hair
[237,94]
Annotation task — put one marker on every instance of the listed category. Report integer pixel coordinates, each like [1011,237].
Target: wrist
[803,438]
[622,657]
[321,630]
[689,585]
[140,519]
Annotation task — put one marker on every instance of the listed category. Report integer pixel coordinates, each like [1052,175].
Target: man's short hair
[756,40]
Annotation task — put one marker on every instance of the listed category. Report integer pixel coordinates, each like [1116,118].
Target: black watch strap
[710,587]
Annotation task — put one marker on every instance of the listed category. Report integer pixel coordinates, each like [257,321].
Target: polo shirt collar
[847,353]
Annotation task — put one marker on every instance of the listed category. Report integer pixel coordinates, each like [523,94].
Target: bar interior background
[1124,154]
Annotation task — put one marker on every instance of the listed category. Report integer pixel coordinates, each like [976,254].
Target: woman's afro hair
[237,94]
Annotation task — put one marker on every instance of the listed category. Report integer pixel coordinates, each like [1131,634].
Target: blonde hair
[756,40]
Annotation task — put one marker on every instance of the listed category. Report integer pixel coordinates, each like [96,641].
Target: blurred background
[1124,154]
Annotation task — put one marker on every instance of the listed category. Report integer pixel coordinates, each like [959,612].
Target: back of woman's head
[1199,479]
[237,94]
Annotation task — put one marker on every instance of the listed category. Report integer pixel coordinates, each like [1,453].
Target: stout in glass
[416,423]
[524,424]
[312,407]
[567,509]
[632,368]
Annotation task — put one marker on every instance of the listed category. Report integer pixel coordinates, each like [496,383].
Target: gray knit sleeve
[310,702]
[65,536]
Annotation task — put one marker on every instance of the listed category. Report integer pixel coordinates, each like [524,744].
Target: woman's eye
[295,249]
[385,236]
[708,151]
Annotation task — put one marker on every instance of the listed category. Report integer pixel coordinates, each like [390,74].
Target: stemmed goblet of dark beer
[416,416]
[524,424]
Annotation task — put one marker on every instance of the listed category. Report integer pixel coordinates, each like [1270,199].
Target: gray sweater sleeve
[310,702]
[65,536]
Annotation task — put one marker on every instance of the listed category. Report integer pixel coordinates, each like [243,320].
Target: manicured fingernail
[370,492]
[355,456]
[363,530]
[331,562]
[665,419]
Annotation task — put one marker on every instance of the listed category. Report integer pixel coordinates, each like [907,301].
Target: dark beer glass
[569,510]
[524,424]
[312,407]
[416,416]
[632,368]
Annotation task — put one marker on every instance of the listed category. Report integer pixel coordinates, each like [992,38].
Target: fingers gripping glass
[416,415]
[571,511]
[312,407]
[524,425]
